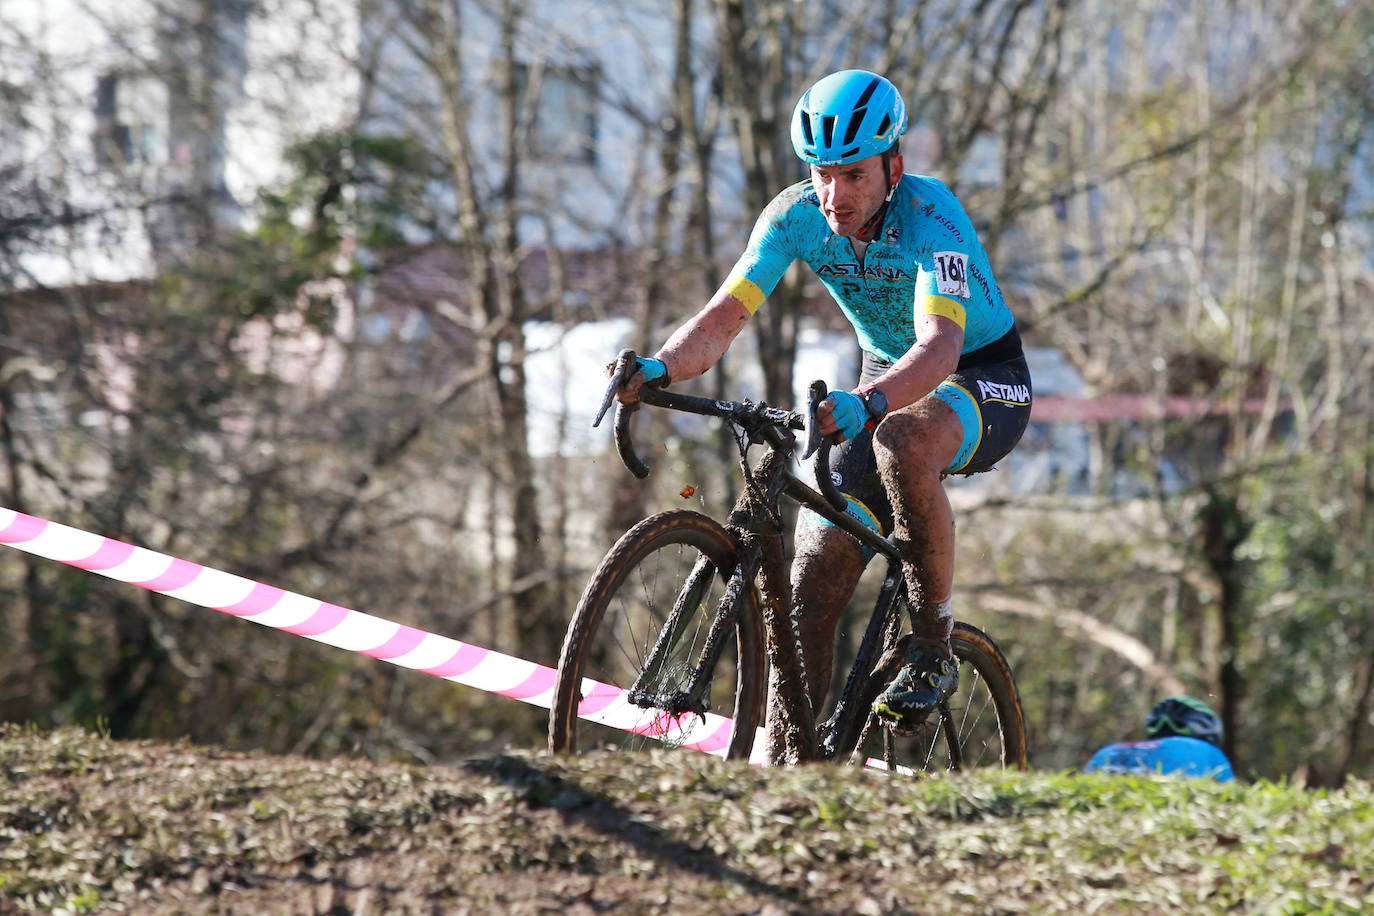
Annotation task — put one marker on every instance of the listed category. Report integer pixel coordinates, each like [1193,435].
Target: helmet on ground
[1184,716]
[847,116]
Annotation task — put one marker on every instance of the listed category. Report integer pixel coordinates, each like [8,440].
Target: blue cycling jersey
[926,259]
[1176,754]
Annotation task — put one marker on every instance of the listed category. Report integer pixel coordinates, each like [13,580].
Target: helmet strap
[876,219]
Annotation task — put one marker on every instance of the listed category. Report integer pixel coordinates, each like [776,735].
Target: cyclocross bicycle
[673,636]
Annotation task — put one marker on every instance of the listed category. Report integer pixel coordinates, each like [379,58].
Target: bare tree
[1191,262]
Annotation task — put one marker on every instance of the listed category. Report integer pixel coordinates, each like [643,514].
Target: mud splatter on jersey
[926,259]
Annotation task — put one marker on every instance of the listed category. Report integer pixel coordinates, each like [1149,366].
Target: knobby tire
[981,725]
[975,649]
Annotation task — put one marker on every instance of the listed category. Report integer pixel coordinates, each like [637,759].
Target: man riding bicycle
[943,389]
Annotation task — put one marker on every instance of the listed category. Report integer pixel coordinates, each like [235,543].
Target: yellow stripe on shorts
[945,308]
[746,291]
[872,520]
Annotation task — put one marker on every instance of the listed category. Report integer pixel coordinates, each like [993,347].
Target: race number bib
[951,273]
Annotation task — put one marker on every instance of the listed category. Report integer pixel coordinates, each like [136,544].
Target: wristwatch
[876,402]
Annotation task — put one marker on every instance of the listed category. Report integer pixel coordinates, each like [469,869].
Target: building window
[131,120]
[562,106]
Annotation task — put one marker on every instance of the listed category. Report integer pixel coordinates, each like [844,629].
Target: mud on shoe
[929,676]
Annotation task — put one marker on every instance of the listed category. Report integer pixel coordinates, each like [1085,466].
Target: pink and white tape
[343,628]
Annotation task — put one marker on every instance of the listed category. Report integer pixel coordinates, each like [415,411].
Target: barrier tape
[337,626]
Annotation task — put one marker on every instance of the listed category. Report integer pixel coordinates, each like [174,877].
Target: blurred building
[133,129]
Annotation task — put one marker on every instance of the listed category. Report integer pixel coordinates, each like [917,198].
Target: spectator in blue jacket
[1184,739]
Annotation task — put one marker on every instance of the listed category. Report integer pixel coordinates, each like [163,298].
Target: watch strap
[865,392]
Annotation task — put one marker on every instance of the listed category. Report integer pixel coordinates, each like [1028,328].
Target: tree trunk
[1223,529]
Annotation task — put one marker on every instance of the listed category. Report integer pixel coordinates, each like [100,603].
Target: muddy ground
[90,825]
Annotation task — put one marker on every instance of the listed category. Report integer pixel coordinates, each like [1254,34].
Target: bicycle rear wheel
[980,725]
[678,559]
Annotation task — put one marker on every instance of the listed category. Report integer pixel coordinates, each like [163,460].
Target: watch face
[877,402]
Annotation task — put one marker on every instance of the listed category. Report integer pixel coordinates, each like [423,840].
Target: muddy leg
[825,570]
[913,446]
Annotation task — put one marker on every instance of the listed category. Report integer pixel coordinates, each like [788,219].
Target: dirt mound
[89,825]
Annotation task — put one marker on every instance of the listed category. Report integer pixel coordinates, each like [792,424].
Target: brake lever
[815,394]
[819,445]
[624,365]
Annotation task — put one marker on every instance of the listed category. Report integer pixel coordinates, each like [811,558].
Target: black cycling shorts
[990,392]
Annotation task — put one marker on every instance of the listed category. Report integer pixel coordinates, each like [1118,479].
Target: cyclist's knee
[823,541]
[826,561]
[917,443]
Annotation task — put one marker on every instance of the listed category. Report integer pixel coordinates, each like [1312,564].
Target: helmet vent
[887,122]
[854,121]
[828,130]
[866,94]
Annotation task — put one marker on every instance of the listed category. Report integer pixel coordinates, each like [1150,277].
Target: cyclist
[943,384]
[1184,739]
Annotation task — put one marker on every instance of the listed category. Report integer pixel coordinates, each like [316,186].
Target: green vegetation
[88,824]
[333,386]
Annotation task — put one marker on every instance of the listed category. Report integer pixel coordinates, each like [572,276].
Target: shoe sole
[901,723]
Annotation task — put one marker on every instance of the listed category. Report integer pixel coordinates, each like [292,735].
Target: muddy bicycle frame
[756,526]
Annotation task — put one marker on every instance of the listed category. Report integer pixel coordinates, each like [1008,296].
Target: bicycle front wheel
[980,725]
[659,588]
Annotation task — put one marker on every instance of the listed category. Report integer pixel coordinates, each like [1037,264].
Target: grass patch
[88,824]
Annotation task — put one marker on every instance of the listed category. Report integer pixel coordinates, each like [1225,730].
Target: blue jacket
[1177,755]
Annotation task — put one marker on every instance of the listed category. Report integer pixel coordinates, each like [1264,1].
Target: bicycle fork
[649,689]
[791,722]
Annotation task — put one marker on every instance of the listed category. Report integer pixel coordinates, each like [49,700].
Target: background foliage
[1177,199]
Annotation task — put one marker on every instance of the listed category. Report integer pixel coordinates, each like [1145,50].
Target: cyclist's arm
[939,341]
[698,344]
[942,297]
[703,339]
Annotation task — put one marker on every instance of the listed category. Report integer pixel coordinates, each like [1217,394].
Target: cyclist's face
[853,192]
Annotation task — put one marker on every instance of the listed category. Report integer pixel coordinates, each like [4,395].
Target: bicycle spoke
[642,622]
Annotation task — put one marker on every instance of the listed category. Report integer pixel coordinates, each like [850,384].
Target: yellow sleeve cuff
[746,291]
[945,308]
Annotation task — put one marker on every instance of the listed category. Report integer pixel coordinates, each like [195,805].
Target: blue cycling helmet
[847,116]
[1184,716]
